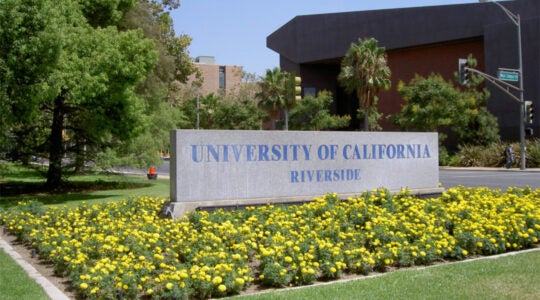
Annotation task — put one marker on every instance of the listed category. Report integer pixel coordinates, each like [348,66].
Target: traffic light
[463,69]
[298,88]
[529,112]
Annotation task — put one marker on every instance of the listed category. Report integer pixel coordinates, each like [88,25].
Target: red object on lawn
[152,173]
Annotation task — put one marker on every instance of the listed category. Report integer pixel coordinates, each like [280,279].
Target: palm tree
[277,92]
[364,70]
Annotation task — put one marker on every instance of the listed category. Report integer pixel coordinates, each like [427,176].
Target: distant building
[217,78]
[418,40]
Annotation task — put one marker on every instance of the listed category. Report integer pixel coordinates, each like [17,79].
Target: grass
[19,183]
[508,277]
[15,283]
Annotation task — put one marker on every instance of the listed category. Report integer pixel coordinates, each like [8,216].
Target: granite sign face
[212,166]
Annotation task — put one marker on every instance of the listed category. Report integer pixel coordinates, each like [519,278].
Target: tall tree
[277,92]
[272,91]
[161,87]
[365,70]
[82,83]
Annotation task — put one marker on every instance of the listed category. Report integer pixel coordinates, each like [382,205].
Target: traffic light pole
[502,85]
[521,97]
[517,21]
[505,87]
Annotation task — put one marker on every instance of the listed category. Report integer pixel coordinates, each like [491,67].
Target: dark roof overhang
[324,37]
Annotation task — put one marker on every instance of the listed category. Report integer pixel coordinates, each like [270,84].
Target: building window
[310,91]
[221,77]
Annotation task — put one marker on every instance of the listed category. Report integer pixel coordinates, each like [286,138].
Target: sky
[235,31]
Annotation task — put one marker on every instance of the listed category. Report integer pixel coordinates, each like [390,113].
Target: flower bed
[126,248]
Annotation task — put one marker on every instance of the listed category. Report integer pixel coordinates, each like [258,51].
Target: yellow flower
[84,285]
[169,286]
[217,280]
[149,291]
[222,288]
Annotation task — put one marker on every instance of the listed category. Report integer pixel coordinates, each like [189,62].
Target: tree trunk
[286,119]
[366,120]
[80,155]
[56,151]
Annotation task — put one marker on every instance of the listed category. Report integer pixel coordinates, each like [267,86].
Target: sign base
[176,210]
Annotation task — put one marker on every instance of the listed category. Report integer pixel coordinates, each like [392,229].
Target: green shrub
[481,156]
[493,155]
[533,153]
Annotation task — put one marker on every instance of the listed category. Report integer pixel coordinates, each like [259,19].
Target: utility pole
[517,21]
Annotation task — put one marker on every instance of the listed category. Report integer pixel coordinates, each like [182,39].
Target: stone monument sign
[237,167]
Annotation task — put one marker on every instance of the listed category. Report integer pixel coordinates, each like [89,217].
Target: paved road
[492,178]
[449,177]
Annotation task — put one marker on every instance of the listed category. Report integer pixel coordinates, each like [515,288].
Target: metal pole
[517,21]
[521,97]
[197,125]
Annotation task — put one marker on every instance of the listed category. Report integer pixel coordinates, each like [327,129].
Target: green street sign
[509,76]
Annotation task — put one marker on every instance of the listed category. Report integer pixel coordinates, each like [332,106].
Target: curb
[52,291]
[489,169]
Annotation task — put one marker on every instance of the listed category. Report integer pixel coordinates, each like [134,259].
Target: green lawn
[15,283]
[509,277]
[19,183]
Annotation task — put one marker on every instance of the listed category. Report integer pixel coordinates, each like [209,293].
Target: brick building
[217,78]
[419,40]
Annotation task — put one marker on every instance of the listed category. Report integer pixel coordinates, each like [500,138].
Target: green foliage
[533,153]
[103,13]
[217,113]
[312,113]
[492,155]
[272,95]
[277,92]
[365,70]
[433,104]
[159,113]
[481,127]
[429,104]
[74,91]
[481,156]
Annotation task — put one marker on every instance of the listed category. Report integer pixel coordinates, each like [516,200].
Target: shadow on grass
[12,192]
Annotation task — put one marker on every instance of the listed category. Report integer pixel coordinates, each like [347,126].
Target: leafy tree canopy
[312,113]
[365,71]
[433,104]
[67,77]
